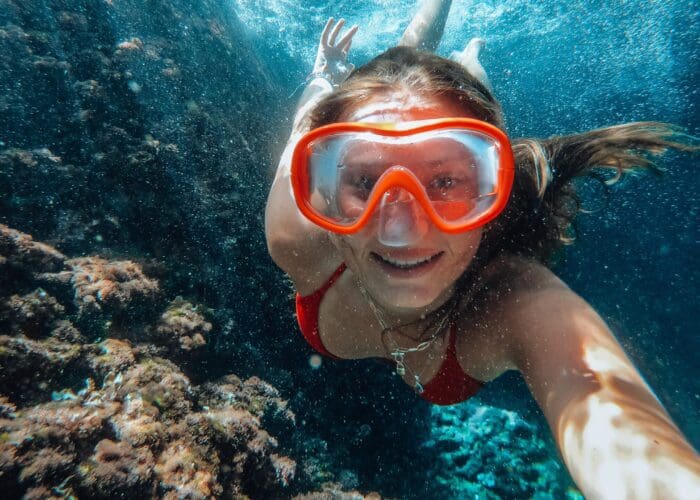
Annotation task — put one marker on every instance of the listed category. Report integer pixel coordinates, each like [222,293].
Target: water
[568,67]
[150,131]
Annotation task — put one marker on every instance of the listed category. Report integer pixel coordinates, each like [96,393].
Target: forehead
[402,107]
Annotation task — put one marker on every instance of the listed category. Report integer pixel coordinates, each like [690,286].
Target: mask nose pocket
[401,219]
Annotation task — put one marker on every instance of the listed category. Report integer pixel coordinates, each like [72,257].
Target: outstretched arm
[614,435]
[298,246]
[425,31]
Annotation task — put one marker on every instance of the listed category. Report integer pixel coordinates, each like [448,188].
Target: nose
[402,221]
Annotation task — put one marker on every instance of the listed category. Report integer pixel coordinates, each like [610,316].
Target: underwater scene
[149,345]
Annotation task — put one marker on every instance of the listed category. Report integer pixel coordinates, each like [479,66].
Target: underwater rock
[182,327]
[487,452]
[111,357]
[64,331]
[139,423]
[102,286]
[20,252]
[116,468]
[106,419]
[188,471]
[31,314]
[27,367]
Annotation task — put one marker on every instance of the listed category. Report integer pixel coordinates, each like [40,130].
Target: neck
[398,317]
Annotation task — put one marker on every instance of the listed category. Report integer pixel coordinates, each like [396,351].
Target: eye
[444,183]
[365,182]
[359,184]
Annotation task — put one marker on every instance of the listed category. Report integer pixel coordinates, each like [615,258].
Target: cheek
[351,248]
[464,247]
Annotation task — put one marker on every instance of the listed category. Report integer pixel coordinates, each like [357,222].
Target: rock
[22,253]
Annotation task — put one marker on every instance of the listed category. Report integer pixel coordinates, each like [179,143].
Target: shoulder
[549,328]
[519,301]
[529,298]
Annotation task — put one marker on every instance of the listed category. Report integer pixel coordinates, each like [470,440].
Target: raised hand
[331,57]
[469,59]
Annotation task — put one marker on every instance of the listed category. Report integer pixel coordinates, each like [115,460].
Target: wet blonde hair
[538,219]
[543,204]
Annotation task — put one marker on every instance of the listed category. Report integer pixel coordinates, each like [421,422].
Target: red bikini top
[449,386]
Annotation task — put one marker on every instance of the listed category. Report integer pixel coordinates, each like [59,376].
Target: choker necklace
[397,352]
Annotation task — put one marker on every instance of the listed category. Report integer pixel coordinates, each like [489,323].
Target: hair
[538,219]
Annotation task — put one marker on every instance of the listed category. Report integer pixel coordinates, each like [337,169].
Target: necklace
[397,352]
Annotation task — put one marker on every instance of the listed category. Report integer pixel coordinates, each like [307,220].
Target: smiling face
[413,274]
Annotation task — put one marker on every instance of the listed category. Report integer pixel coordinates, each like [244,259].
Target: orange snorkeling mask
[459,171]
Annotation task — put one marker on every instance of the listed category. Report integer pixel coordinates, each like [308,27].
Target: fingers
[331,31]
[346,40]
[336,30]
[326,30]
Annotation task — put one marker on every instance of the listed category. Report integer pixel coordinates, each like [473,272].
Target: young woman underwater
[416,231]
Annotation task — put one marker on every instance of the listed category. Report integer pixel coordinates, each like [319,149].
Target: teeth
[405,264]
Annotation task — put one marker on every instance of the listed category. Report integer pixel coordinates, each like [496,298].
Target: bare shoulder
[529,298]
[549,326]
[499,320]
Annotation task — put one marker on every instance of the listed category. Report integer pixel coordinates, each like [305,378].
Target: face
[413,274]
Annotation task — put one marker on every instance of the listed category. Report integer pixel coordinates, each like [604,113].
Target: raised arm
[425,29]
[300,248]
[330,68]
[614,435]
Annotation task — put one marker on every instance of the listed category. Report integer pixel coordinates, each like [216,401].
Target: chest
[349,329]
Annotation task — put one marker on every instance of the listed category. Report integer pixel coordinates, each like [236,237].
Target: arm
[425,29]
[469,59]
[294,243]
[614,435]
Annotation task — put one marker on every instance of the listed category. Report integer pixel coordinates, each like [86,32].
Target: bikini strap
[452,346]
[334,277]
[318,294]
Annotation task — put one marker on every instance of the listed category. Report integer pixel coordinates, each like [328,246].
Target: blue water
[562,67]
[174,153]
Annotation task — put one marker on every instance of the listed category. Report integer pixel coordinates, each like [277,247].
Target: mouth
[410,267]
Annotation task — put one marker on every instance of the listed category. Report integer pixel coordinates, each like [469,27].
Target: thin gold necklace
[398,353]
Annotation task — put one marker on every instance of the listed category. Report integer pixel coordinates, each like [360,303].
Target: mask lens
[456,168]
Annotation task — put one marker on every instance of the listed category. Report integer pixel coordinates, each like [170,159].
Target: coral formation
[104,419]
[487,452]
[182,326]
[102,286]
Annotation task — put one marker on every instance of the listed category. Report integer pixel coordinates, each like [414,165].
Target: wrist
[322,75]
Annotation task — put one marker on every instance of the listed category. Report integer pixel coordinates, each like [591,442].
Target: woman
[415,232]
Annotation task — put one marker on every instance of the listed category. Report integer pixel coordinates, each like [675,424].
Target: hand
[331,58]
[469,59]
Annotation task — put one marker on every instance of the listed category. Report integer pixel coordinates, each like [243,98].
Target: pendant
[418,387]
[398,359]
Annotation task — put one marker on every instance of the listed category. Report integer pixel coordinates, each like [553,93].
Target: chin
[409,297]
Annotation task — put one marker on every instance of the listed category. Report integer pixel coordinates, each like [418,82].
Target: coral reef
[181,326]
[103,418]
[487,452]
